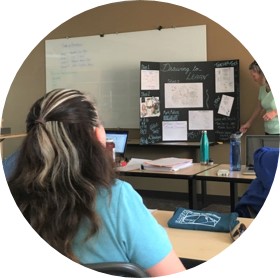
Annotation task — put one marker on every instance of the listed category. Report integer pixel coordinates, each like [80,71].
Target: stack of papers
[167,164]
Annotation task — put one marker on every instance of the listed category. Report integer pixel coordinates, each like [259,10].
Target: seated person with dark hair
[265,164]
[64,182]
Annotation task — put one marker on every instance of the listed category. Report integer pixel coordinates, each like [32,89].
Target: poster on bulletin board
[180,99]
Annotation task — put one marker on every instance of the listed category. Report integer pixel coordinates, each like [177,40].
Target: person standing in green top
[266,105]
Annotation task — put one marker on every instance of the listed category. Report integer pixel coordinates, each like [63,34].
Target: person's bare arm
[169,265]
[270,115]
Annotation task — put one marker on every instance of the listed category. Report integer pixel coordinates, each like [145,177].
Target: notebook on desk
[254,142]
[120,139]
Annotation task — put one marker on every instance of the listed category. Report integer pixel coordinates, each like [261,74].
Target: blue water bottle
[235,152]
[204,148]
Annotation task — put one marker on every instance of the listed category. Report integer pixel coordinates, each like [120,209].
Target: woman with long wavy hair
[64,183]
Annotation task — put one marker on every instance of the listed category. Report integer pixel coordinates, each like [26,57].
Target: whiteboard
[108,67]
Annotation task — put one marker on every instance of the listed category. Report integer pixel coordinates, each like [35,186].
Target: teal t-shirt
[268,103]
[129,232]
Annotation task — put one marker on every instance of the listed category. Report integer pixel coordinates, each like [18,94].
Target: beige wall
[29,83]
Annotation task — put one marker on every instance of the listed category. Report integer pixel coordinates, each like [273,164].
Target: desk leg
[233,195]
[192,194]
[203,192]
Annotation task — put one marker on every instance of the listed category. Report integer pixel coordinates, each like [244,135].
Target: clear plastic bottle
[110,145]
[204,148]
[235,152]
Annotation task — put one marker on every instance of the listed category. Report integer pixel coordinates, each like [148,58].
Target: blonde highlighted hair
[61,167]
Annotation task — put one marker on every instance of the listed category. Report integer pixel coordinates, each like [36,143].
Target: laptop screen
[120,139]
[254,142]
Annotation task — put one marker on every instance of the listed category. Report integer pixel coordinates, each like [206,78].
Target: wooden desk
[195,245]
[136,142]
[9,136]
[234,178]
[188,174]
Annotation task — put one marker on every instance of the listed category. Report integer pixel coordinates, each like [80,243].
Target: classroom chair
[121,269]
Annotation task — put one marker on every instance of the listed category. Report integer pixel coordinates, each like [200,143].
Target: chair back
[118,269]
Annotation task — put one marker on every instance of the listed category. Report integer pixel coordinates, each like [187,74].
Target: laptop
[254,142]
[120,138]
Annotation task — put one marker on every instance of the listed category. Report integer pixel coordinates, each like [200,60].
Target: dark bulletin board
[180,99]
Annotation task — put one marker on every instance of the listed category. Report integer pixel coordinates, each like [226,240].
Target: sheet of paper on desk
[133,164]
